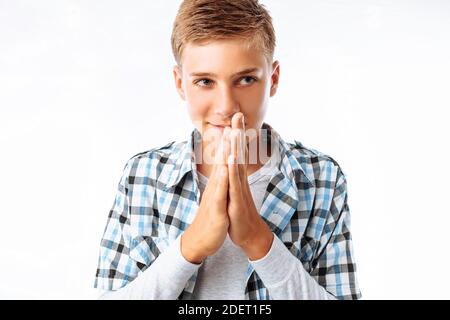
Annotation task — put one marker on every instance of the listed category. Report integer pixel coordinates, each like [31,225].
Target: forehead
[222,56]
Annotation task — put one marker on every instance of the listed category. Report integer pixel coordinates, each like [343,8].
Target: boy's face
[210,82]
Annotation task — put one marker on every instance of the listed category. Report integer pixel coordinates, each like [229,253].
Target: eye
[248,78]
[203,82]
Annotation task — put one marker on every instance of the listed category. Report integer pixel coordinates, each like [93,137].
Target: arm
[164,279]
[333,271]
[284,276]
[281,272]
[334,266]
[131,265]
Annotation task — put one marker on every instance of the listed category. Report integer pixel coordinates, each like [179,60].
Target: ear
[178,77]
[275,77]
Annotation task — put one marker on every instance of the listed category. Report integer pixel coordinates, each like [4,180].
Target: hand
[209,229]
[247,229]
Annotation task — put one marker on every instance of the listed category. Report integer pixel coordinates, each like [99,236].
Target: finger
[221,154]
[238,152]
[226,145]
[246,153]
[217,152]
[233,169]
[240,147]
[221,193]
[237,125]
[244,144]
[234,143]
[236,121]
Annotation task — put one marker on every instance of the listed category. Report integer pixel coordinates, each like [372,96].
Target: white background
[84,85]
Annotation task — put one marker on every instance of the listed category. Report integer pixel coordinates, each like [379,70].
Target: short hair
[202,21]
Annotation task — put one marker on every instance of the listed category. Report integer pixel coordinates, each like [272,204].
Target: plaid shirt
[305,205]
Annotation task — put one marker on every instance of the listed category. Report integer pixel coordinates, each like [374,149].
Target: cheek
[255,106]
[198,103]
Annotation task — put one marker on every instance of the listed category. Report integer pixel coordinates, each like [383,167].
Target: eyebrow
[209,74]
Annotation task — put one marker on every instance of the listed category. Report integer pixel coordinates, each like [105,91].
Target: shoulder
[320,167]
[151,162]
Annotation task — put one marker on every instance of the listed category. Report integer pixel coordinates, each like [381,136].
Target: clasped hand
[227,205]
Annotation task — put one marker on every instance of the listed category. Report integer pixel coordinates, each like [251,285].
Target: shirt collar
[184,158]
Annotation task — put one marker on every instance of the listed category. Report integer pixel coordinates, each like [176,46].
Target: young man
[234,212]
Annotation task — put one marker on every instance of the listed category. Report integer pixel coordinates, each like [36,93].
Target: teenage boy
[234,212]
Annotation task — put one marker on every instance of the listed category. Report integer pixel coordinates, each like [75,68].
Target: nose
[226,104]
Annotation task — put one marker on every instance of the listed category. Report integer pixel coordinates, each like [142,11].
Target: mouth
[218,126]
[221,126]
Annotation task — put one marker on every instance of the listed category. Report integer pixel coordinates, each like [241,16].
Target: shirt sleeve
[332,272]
[137,263]
[284,275]
[334,266]
[115,267]
[164,279]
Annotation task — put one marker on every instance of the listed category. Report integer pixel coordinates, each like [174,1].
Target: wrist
[188,252]
[259,245]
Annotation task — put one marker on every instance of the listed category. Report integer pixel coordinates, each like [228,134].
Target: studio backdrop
[85,85]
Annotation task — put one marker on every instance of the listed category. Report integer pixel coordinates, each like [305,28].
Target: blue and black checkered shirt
[305,205]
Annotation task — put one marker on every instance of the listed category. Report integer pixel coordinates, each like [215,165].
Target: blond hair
[202,21]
